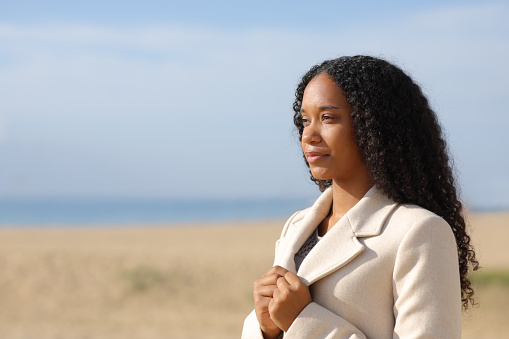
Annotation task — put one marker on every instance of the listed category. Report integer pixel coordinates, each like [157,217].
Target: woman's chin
[320,175]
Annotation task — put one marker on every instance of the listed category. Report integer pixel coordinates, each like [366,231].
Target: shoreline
[472,219]
[145,225]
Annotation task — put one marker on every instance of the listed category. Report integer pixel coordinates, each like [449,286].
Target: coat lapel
[340,245]
[333,251]
[300,230]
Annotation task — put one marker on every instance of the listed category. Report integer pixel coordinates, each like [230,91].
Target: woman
[383,253]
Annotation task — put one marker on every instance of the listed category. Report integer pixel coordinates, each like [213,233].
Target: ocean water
[80,212]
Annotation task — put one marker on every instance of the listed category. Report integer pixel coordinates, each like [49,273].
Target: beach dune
[178,281]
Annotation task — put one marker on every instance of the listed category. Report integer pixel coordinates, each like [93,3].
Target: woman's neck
[344,197]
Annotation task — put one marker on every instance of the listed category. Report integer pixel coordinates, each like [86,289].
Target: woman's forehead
[322,90]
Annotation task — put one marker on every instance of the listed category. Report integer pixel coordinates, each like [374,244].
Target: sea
[99,212]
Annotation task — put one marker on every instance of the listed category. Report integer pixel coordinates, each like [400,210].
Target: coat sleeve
[314,321]
[251,329]
[426,283]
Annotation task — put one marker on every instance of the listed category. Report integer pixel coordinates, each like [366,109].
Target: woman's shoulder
[411,220]
[413,214]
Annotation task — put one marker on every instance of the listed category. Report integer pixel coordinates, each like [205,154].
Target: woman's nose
[310,135]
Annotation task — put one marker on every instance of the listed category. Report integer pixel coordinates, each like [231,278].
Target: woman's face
[328,136]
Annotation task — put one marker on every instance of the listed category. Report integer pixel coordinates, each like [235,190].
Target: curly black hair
[401,143]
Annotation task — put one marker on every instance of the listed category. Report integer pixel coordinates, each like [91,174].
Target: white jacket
[385,270]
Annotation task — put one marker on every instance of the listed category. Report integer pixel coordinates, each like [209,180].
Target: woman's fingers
[276,270]
[268,282]
[268,279]
[282,284]
[264,291]
[293,279]
[290,296]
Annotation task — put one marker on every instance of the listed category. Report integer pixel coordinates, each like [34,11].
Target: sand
[178,281]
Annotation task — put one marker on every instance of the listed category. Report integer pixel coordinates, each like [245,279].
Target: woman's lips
[313,157]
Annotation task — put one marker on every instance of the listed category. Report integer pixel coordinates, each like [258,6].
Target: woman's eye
[304,121]
[327,117]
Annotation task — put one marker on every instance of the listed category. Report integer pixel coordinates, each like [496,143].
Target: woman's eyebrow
[328,107]
[321,108]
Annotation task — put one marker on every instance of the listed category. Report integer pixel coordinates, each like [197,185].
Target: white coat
[385,270]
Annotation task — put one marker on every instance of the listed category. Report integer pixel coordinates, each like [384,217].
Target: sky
[192,99]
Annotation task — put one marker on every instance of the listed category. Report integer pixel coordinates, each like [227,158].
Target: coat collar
[340,245]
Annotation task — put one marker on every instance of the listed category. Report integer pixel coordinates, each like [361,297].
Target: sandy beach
[178,281]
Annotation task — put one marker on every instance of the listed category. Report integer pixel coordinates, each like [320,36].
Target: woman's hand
[290,297]
[263,293]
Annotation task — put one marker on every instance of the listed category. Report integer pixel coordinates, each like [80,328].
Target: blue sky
[193,99]
[227,14]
